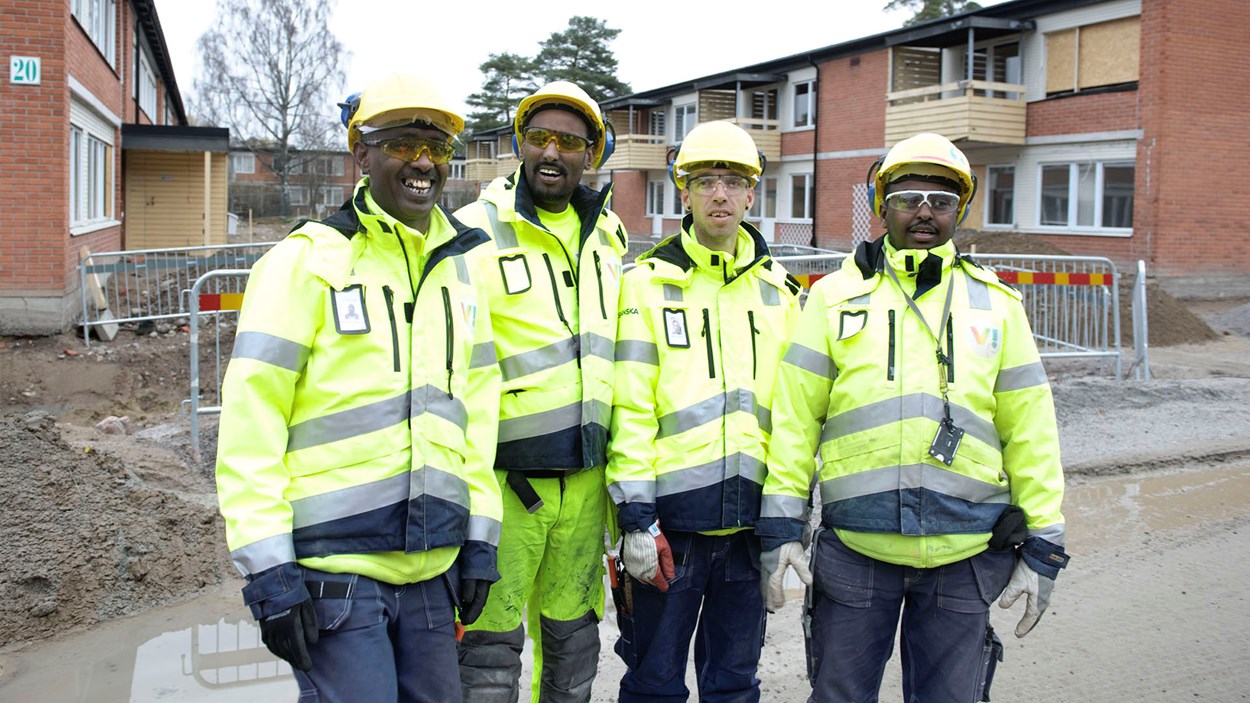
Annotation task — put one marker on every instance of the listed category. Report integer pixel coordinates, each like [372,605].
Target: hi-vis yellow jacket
[699,339]
[553,313]
[865,368]
[358,421]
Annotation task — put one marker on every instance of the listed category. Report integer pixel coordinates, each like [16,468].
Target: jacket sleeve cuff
[636,517]
[776,531]
[275,589]
[1046,558]
[478,560]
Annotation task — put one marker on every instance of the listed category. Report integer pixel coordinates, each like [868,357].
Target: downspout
[815,148]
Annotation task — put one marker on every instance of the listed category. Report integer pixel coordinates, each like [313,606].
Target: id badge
[946,442]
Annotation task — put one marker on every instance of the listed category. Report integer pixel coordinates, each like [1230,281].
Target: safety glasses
[909,201]
[566,143]
[707,185]
[409,149]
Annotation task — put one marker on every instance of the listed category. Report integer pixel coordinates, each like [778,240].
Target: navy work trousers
[715,597]
[382,643]
[945,613]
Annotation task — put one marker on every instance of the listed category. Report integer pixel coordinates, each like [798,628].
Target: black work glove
[472,599]
[289,633]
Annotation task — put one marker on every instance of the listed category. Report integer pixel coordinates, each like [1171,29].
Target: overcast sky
[661,42]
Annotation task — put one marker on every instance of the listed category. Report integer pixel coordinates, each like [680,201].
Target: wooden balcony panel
[766,133]
[966,116]
[479,169]
[643,152]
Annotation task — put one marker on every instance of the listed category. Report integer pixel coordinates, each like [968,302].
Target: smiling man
[358,428]
[704,319]
[553,274]
[914,373]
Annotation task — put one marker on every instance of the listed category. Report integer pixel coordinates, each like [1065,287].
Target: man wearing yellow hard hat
[358,428]
[914,373]
[552,272]
[704,319]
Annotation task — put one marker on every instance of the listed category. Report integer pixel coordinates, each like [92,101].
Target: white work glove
[773,565]
[1025,580]
[648,557]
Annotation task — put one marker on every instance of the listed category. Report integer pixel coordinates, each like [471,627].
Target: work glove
[1025,580]
[773,565]
[287,634]
[648,557]
[473,594]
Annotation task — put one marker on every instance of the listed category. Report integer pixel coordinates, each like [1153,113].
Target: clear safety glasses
[707,185]
[566,143]
[409,149]
[940,202]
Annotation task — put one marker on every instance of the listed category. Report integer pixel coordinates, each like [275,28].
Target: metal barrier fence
[218,294]
[133,286]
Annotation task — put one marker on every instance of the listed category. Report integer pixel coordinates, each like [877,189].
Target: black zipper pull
[450,334]
[754,332]
[707,335]
[390,314]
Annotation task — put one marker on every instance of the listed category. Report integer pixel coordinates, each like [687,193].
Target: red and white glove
[648,557]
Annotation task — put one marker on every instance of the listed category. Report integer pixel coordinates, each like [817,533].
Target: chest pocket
[514,271]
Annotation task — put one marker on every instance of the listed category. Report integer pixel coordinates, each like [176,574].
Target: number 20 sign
[24,70]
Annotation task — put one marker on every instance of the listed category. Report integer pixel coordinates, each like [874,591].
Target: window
[764,106]
[801,196]
[332,196]
[243,163]
[91,177]
[147,88]
[297,194]
[456,173]
[1094,55]
[678,206]
[75,174]
[295,167]
[1087,195]
[1001,201]
[655,198]
[657,123]
[765,205]
[684,121]
[98,18]
[805,104]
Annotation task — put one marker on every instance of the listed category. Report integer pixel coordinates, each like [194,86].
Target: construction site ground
[118,586]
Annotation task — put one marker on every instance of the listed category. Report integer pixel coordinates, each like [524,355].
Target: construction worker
[703,323]
[358,428]
[552,273]
[940,479]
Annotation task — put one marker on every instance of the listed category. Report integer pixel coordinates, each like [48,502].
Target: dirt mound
[89,538]
[1169,322]
[1235,321]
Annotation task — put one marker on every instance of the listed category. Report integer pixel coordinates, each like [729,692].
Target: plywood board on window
[1109,52]
[1061,61]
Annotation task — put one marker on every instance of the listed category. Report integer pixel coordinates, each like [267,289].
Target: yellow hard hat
[401,99]
[925,154]
[568,94]
[712,143]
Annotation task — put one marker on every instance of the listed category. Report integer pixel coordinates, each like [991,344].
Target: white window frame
[297,195]
[331,196]
[657,122]
[810,96]
[98,18]
[1073,196]
[93,177]
[455,172]
[685,117]
[989,196]
[807,204]
[147,88]
[655,196]
[76,139]
[243,162]
[765,205]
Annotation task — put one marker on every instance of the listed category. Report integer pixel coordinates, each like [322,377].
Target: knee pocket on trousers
[841,573]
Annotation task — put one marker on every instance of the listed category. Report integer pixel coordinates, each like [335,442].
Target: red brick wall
[1077,114]
[629,201]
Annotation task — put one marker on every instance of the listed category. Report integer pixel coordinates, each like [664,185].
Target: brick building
[1107,127]
[97,152]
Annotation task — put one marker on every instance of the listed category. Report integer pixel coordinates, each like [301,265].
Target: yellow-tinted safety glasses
[409,149]
[567,143]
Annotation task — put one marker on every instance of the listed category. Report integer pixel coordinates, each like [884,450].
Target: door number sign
[24,70]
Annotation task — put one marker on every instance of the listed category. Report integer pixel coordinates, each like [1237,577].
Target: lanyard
[942,359]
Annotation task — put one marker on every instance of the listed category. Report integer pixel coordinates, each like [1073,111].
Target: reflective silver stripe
[483,355]
[603,238]
[261,346]
[429,399]
[978,294]
[783,506]
[1026,376]
[908,407]
[642,352]
[861,299]
[541,359]
[809,360]
[350,501]
[632,491]
[375,416]
[705,411]
[598,345]
[672,293]
[539,424]
[764,417]
[1051,533]
[710,474]
[596,412]
[769,294]
[462,269]
[430,481]
[484,529]
[894,478]
[264,554]
[505,236]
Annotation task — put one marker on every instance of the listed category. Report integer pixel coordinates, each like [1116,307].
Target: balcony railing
[978,111]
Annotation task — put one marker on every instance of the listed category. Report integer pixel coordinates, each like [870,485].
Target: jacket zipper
[555,294]
[889,374]
[603,308]
[754,332]
[390,314]
[950,350]
[451,335]
[707,334]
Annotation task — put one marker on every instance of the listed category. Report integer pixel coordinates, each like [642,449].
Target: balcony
[489,169]
[766,133]
[983,112]
[642,152]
